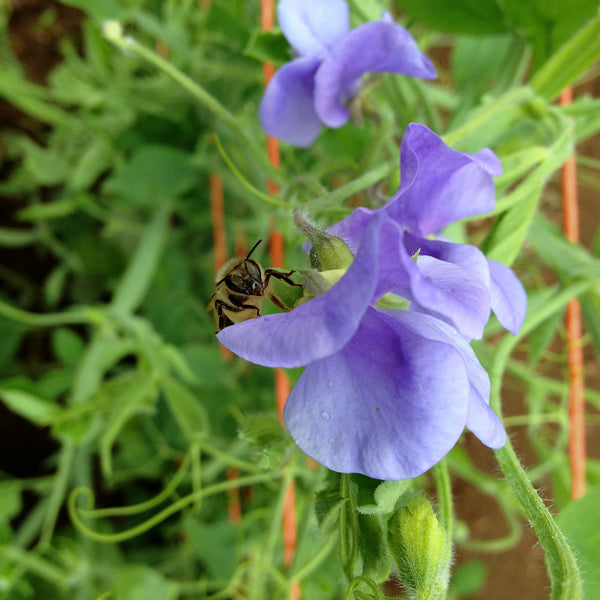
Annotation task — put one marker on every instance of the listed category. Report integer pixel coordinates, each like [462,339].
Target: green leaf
[16,238]
[569,260]
[269,46]
[580,522]
[214,544]
[68,346]
[186,407]
[468,579]
[541,336]
[100,9]
[373,547]
[384,498]
[547,24]
[509,231]
[94,161]
[134,284]
[44,165]
[140,582]
[477,17]
[31,98]
[154,175]
[590,308]
[129,394]
[476,60]
[10,500]
[32,407]
[569,62]
[53,210]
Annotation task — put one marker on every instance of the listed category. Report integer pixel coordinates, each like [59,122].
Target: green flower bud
[418,545]
[316,283]
[327,252]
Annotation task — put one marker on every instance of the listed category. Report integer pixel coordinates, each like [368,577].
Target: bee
[241,286]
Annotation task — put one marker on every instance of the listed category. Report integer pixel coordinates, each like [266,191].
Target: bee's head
[250,278]
[247,277]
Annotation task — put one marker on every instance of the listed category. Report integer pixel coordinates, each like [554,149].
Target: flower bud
[418,545]
[327,252]
[112,29]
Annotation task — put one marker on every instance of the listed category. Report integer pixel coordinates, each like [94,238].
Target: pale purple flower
[453,282]
[386,393]
[315,88]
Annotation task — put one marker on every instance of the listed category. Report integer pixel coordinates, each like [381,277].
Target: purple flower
[386,393]
[453,282]
[316,87]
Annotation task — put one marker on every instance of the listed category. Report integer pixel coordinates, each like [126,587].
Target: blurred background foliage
[110,376]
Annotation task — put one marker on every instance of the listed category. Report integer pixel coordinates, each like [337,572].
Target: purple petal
[466,256]
[381,46]
[392,272]
[287,109]
[489,162]
[351,229]
[312,27]
[481,419]
[317,328]
[485,424]
[509,300]
[450,293]
[389,405]
[440,185]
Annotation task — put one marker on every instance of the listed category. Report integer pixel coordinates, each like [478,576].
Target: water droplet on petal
[330,440]
[330,385]
[325,415]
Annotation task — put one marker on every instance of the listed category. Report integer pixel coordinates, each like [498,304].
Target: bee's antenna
[253,249]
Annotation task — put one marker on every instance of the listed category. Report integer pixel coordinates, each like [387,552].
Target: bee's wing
[211,303]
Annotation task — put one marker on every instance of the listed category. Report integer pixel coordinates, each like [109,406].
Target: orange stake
[217,213]
[282,383]
[234,505]
[577,453]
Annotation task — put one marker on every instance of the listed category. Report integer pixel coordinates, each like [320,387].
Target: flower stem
[560,561]
[113,32]
[444,496]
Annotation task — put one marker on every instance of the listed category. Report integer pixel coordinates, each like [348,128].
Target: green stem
[112,31]
[571,61]
[510,101]
[59,491]
[560,561]
[444,496]
[348,529]
[360,183]
[83,316]
[443,488]
[178,505]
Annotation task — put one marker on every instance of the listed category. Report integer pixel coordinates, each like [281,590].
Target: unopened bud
[327,252]
[418,545]
[112,29]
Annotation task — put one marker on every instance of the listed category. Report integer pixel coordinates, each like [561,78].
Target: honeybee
[241,288]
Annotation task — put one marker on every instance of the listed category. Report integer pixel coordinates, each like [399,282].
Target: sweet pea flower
[453,282]
[315,88]
[385,392]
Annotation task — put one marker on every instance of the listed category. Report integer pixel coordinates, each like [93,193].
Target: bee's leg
[224,321]
[277,301]
[235,306]
[283,276]
[239,306]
